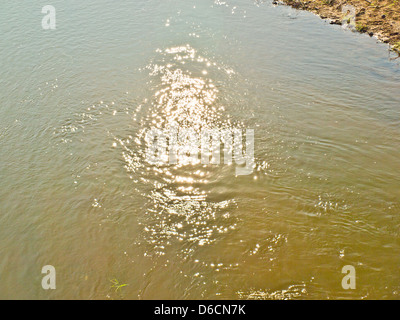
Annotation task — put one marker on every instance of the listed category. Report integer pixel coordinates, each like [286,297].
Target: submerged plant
[116,285]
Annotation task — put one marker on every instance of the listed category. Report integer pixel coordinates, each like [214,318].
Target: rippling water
[78,194]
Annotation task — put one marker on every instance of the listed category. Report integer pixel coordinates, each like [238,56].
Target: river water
[76,192]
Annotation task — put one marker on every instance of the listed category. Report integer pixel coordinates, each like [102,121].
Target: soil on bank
[379,18]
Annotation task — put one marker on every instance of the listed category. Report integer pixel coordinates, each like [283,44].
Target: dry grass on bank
[379,18]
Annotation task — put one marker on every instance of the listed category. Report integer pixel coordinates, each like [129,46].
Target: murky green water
[77,193]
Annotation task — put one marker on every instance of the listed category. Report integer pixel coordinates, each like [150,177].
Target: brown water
[77,193]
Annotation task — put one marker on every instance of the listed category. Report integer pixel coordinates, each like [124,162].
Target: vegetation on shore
[379,18]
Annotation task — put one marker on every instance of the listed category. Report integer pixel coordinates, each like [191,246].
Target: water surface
[77,193]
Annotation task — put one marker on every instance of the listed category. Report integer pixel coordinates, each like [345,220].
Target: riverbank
[380,18]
